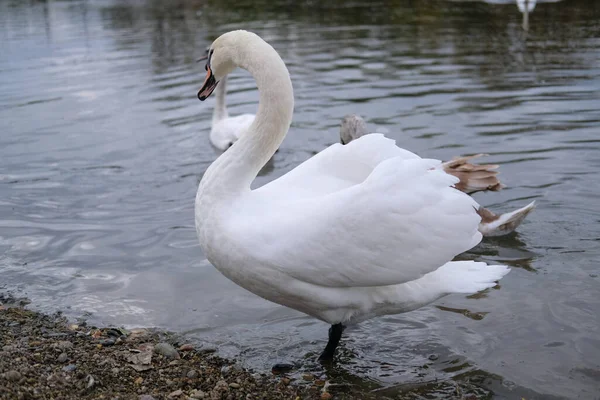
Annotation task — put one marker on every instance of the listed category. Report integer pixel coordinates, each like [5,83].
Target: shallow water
[103,143]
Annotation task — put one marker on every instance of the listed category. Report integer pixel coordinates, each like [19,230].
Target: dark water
[103,143]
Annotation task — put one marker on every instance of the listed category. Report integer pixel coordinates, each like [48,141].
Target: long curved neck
[234,170]
[220,111]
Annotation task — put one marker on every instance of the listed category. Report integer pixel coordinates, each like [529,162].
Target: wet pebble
[62,358]
[146,397]
[282,368]
[207,350]
[166,350]
[308,377]
[326,396]
[234,385]
[107,342]
[186,347]
[228,369]
[175,394]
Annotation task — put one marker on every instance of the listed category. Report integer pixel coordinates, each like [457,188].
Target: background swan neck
[234,170]
[220,111]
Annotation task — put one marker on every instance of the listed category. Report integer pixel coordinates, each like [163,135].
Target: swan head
[223,56]
[352,128]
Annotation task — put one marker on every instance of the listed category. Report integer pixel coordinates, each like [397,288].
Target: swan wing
[403,220]
[337,167]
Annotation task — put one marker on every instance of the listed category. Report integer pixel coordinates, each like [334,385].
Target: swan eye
[209,55]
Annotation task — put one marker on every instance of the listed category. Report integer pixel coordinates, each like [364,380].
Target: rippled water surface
[103,143]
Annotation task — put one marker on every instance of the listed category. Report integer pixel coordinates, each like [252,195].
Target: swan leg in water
[335,334]
[355,232]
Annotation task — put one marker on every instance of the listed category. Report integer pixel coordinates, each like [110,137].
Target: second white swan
[226,130]
[340,237]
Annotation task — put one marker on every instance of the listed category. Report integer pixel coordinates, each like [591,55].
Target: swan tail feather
[468,276]
[497,225]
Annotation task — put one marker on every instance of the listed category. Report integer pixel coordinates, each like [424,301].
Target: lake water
[103,143]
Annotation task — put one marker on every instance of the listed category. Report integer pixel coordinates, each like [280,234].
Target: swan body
[340,237]
[225,130]
[471,178]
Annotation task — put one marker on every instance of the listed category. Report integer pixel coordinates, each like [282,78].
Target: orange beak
[208,86]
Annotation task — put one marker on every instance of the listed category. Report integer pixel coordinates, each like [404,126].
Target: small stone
[62,358]
[176,393]
[9,347]
[146,397]
[308,377]
[320,382]
[63,345]
[138,381]
[326,396]
[70,368]
[166,350]
[207,350]
[174,362]
[90,382]
[138,332]
[281,368]
[197,394]
[12,375]
[234,385]
[192,374]
[186,347]
[115,371]
[107,342]
[221,386]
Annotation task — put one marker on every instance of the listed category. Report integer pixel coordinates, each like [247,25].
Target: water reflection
[103,142]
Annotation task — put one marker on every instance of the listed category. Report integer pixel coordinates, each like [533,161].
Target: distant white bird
[226,130]
[354,232]
[526,5]
[472,178]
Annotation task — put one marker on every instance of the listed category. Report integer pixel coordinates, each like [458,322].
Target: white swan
[471,178]
[225,130]
[340,237]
